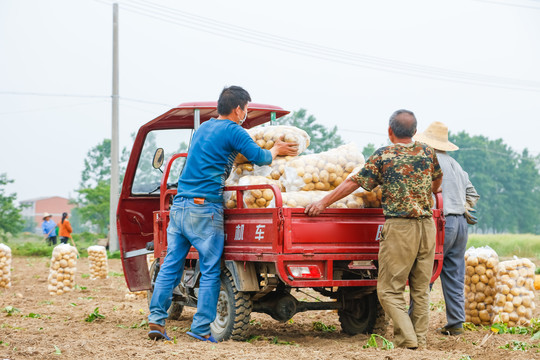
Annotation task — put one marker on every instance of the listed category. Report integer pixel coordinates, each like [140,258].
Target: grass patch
[521,245]
[26,244]
[31,249]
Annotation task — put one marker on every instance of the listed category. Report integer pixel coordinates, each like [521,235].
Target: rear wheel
[175,310]
[359,315]
[233,311]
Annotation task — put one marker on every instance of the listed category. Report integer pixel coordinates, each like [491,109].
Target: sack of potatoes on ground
[323,171]
[266,136]
[99,267]
[5,266]
[480,280]
[253,199]
[514,299]
[62,271]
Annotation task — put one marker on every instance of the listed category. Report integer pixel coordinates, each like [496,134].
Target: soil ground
[58,329]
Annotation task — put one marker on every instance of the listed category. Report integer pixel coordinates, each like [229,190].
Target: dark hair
[64,216]
[400,128]
[230,98]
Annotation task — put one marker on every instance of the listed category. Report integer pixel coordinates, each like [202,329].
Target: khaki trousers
[406,252]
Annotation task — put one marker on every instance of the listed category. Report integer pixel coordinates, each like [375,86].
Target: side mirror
[159,157]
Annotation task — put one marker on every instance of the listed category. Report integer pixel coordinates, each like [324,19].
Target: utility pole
[115,178]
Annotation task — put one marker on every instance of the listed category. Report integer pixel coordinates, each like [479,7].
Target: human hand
[315,208]
[283,148]
[470,215]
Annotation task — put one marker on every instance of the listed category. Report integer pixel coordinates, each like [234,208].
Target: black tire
[233,311]
[175,310]
[359,315]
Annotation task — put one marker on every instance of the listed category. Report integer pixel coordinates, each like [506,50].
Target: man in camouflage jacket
[408,172]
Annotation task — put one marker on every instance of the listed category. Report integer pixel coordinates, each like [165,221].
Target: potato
[480,270]
[484,315]
[268,194]
[472,261]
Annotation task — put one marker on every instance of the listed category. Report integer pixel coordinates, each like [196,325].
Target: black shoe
[445,330]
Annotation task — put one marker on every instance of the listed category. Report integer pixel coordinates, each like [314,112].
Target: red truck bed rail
[330,245]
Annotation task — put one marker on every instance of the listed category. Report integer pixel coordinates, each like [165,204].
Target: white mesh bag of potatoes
[62,272]
[323,171]
[301,199]
[266,136]
[99,267]
[5,266]
[480,277]
[253,199]
[514,300]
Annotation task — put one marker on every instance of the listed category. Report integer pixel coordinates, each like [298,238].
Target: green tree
[507,182]
[368,150]
[527,193]
[94,205]
[97,165]
[321,138]
[11,220]
[93,193]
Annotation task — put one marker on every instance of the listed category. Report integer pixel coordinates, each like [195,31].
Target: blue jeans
[456,234]
[202,227]
[453,271]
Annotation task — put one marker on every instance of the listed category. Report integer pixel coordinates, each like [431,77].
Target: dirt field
[53,327]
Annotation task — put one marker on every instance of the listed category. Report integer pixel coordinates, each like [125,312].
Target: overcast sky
[474,65]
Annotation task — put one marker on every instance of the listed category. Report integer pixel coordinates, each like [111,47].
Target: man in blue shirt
[196,216]
[49,229]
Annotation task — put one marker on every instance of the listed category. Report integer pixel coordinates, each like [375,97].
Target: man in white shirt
[459,197]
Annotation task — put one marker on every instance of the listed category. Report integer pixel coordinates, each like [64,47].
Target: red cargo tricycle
[268,252]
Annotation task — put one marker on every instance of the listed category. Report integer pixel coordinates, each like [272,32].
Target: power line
[226,30]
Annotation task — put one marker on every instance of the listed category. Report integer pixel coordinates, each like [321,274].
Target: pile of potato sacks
[498,292]
[5,266]
[62,271]
[296,175]
[99,267]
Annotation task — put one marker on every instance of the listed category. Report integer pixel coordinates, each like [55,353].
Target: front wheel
[359,315]
[233,311]
[175,310]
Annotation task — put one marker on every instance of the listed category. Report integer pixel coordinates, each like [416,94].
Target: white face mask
[244,119]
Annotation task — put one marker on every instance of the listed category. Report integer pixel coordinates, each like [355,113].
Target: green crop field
[506,245]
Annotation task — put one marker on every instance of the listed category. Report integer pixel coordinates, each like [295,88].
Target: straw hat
[436,136]
[46,215]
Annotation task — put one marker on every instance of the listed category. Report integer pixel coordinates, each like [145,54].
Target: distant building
[55,205]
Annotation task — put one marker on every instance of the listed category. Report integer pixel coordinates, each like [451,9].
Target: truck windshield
[147,179]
